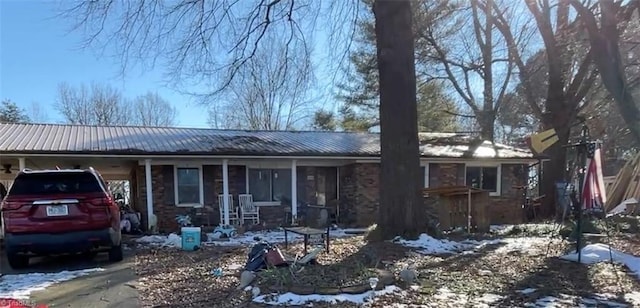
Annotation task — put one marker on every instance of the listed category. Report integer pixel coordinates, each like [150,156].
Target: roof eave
[230,154]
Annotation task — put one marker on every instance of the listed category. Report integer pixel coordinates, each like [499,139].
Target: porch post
[294,191]
[149,187]
[22,163]
[225,190]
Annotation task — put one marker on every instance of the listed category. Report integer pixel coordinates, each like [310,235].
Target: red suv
[48,212]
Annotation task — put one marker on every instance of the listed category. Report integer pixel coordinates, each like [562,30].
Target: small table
[306,232]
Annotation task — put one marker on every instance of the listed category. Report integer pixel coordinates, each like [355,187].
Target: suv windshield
[55,183]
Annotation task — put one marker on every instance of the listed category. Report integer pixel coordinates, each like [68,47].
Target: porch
[196,187]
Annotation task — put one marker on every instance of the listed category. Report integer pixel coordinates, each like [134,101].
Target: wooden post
[469,210]
[294,192]
[149,187]
[225,193]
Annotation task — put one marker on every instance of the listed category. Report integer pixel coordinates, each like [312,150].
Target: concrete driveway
[113,287]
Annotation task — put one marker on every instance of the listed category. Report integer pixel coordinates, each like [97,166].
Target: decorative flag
[594,194]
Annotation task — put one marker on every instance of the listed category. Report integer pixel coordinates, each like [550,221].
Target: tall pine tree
[11,113]
[360,95]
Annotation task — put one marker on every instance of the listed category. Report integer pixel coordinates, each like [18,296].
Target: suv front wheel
[17,261]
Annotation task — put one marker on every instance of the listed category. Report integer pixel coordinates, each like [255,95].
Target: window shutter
[168,181]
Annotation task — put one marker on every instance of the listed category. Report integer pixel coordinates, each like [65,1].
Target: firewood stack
[626,184]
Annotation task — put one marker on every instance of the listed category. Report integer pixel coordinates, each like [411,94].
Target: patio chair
[248,209]
[234,217]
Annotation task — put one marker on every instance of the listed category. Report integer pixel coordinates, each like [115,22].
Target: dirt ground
[524,275]
[523,272]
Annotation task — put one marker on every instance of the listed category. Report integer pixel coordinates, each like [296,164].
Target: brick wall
[446,174]
[163,197]
[507,208]
[347,194]
[359,195]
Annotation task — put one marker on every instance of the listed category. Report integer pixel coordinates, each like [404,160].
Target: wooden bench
[306,232]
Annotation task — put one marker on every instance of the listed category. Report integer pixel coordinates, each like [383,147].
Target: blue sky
[37,53]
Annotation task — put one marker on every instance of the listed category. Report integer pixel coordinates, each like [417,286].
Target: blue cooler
[190,238]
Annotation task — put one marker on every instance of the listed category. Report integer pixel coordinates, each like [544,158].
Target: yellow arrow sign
[543,140]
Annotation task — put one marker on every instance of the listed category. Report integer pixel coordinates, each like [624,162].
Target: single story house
[174,170]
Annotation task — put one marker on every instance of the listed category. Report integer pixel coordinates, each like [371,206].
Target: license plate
[57,210]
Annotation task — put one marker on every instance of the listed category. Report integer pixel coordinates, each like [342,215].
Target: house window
[483,177]
[269,185]
[188,184]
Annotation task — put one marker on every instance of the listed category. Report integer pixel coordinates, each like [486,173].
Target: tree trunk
[559,118]
[401,210]
[554,170]
[486,121]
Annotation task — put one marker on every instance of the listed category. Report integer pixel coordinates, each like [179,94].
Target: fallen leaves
[490,276]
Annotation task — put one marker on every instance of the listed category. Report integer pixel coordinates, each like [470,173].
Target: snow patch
[428,245]
[463,300]
[529,245]
[622,207]
[295,299]
[633,298]
[527,291]
[172,240]
[248,238]
[565,300]
[20,286]
[594,253]
[540,228]
[274,237]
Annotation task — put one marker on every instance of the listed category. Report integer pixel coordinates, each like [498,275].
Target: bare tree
[152,110]
[569,77]
[94,105]
[37,114]
[462,40]
[270,92]
[100,104]
[208,42]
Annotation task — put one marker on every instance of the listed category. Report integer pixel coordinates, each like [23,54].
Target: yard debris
[223,231]
[527,271]
[627,207]
[626,184]
[246,278]
[408,275]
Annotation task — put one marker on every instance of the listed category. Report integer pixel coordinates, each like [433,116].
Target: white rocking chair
[234,218]
[248,209]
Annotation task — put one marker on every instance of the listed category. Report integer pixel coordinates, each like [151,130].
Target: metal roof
[139,140]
